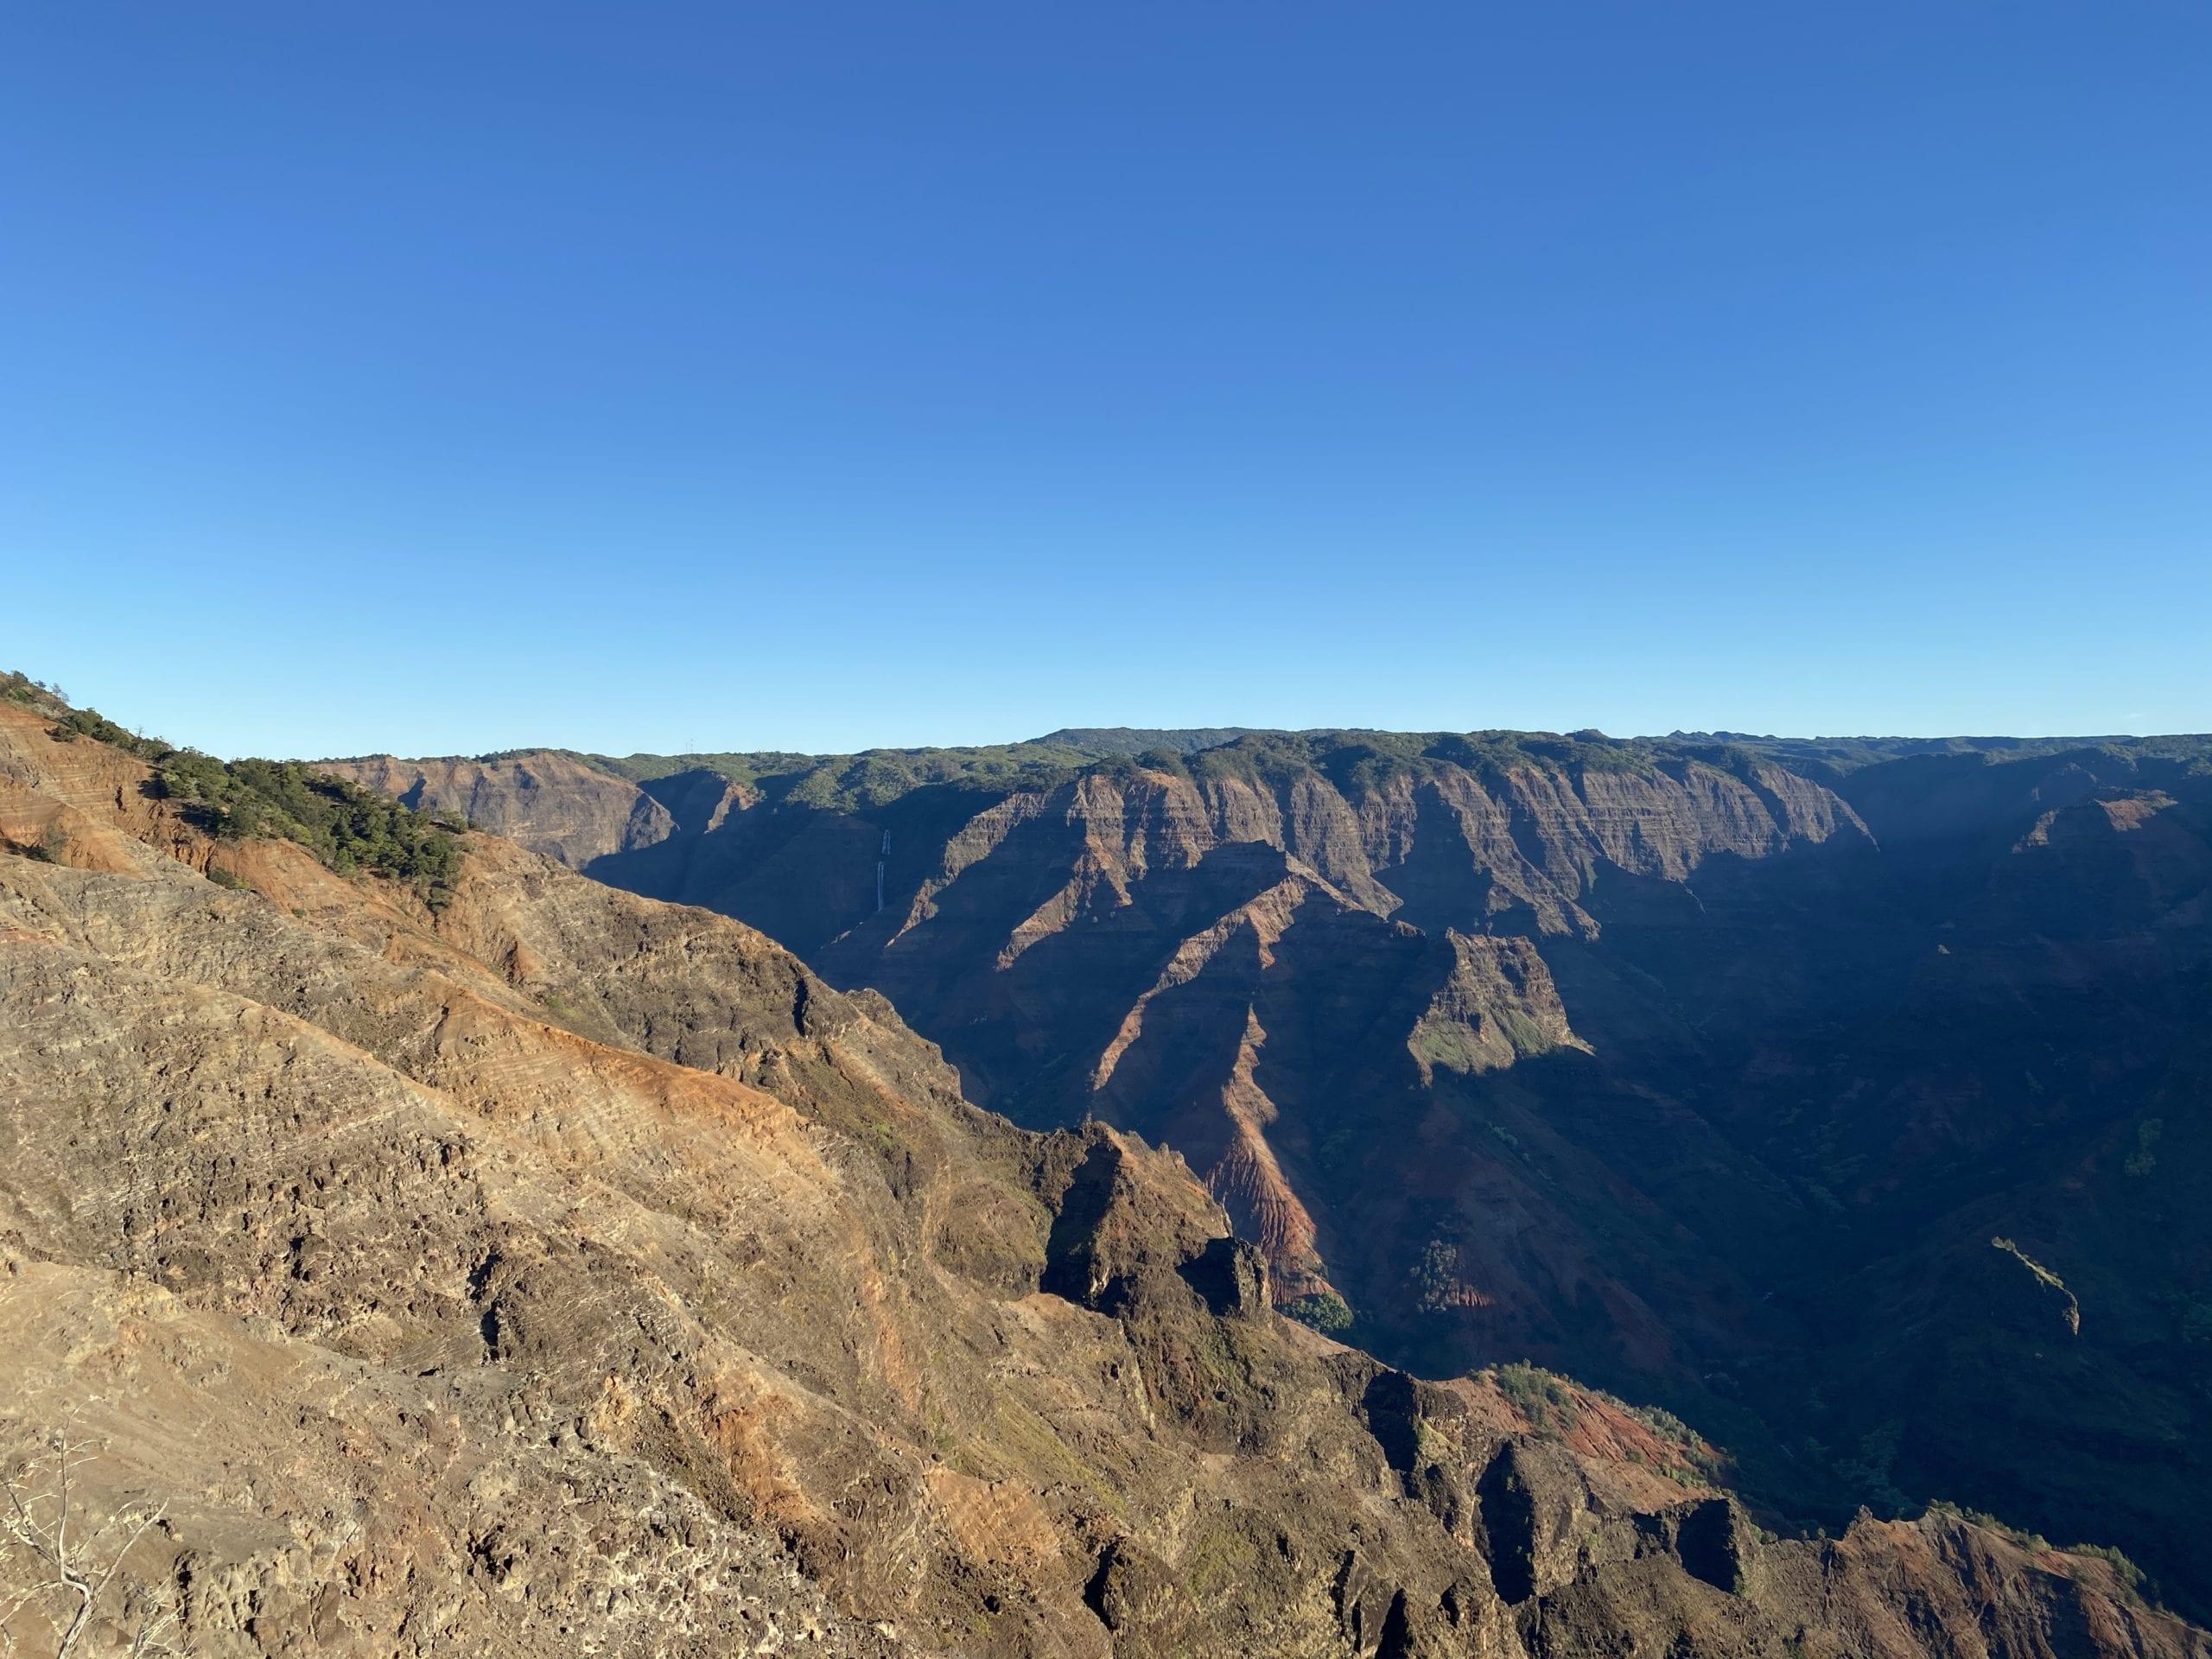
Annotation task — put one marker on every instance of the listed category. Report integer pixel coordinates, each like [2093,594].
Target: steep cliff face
[1153,940]
[1499,1006]
[564,1271]
[553,802]
[1708,1067]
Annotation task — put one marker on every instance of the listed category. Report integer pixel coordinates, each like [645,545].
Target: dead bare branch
[70,1562]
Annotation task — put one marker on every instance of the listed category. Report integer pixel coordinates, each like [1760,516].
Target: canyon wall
[1710,1069]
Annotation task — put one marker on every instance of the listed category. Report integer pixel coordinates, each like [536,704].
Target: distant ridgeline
[350,829]
[1829,758]
[873,777]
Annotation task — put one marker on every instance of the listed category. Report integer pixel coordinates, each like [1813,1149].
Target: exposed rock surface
[567,1272]
[1707,1067]
[552,803]
[1186,880]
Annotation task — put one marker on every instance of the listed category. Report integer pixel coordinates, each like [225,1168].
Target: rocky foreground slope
[557,1271]
[1712,1069]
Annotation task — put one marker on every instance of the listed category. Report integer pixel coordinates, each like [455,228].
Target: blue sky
[817,375]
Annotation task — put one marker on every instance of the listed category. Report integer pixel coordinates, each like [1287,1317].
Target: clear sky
[810,374]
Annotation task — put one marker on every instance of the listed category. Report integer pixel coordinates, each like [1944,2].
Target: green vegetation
[1353,761]
[341,823]
[21,688]
[1267,762]
[1694,1462]
[1324,1311]
[1221,1551]
[2132,1577]
[347,826]
[1829,760]
[2141,1161]
[1131,739]
[2044,1275]
[1359,761]
[1545,1400]
[1553,1405]
[1437,1275]
[1662,1422]
[859,783]
[1989,1523]
[1871,1471]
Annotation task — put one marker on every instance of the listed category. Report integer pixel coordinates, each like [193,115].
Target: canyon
[492,1260]
[1845,1098]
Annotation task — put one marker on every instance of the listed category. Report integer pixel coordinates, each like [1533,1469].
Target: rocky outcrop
[551,802]
[1498,1006]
